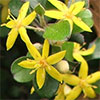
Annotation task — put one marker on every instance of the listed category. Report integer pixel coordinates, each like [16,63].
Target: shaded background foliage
[9,88]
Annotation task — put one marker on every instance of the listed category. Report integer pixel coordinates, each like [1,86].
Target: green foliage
[39,9]
[4,31]
[68,46]
[86,17]
[14,6]
[97,90]
[49,89]
[21,74]
[58,31]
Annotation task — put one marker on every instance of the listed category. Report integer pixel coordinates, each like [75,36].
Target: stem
[42,21]
[35,28]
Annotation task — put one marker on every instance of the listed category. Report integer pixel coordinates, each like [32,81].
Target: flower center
[19,24]
[82,83]
[43,63]
[68,15]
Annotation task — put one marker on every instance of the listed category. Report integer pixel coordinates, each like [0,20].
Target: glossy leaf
[68,46]
[58,31]
[20,74]
[49,88]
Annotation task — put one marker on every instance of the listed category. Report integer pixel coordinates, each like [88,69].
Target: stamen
[10,15]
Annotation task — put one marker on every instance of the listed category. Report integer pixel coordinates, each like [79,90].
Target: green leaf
[21,74]
[86,17]
[97,90]
[77,38]
[33,3]
[49,89]
[4,31]
[68,46]
[14,6]
[39,9]
[58,31]
[96,54]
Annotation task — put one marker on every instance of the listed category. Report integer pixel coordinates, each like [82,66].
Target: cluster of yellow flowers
[43,63]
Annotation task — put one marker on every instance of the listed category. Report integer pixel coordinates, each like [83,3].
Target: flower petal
[81,24]
[54,14]
[93,77]
[26,21]
[83,72]
[58,4]
[75,92]
[88,51]
[76,7]
[60,96]
[11,38]
[45,50]
[24,35]
[53,59]
[23,11]
[10,24]
[27,64]
[71,79]
[32,90]
[89,92]
[54,73]
[40,77]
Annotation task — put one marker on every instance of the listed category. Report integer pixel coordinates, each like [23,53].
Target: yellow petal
[58,4]
[76,7]
[77,46]
[60,96]
[78,57]
[75,92]
[71,79]
[89,92]
[33,51]
[29,18]
[11,38]
[53,59]
[54,73]
[10,24]
[93,77]
[83,71]
[81,24]
[45,50]
[32,90]
[27,64]
[54,14]
[88,51]
[24,35]
[23,10]
[40,77]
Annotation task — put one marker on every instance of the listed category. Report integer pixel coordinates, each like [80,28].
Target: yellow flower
[18,25]
[81,84]
[43,64]
[78,52]
[69,14]
[62,92]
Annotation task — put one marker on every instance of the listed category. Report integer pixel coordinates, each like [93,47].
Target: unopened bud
[62,66]
[67,90]
[38,46]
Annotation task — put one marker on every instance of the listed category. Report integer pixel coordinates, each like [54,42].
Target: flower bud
[62,66]
[38,46]
[67,90]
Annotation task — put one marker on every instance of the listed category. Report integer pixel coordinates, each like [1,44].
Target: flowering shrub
[59,68]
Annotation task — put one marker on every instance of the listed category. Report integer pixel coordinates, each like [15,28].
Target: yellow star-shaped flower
[43,64]
[62,92]
[18,25]
[69,14]
[81,83]
[78,52]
